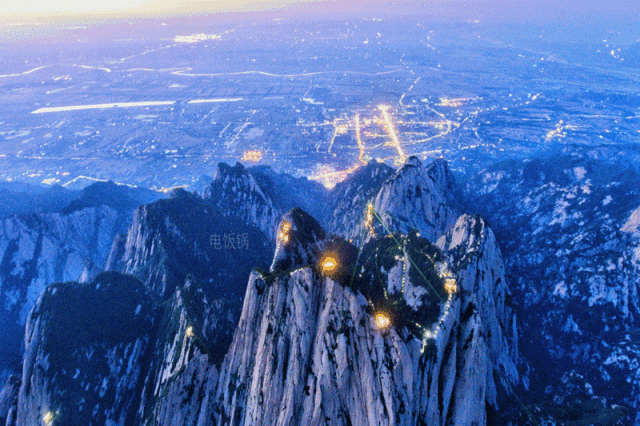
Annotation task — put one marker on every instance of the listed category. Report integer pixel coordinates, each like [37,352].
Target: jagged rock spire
[300,240]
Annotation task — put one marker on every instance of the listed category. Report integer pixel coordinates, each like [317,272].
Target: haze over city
[326,213]
[450,10]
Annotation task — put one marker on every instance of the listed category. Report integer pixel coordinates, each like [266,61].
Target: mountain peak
[235,190]
[418,197]
[223,169]
[300,240]
[440,171]
[117,196]
[412,161]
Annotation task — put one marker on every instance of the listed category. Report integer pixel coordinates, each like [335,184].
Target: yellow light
[189,331]
[253,156]
[330,178]
[369,220]
[329,263]
[48,418]
[450,285]
[359,140]
[382,320]
[283,235]
[392,132]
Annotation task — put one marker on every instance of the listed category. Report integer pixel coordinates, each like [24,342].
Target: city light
[330,177]
[359,140]
[392,132]
[252,156]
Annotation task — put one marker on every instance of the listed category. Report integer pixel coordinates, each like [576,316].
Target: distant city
[160,103]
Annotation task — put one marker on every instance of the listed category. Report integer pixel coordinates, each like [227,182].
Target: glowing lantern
[382,321]
[189,331]
[329,263]
[450,285]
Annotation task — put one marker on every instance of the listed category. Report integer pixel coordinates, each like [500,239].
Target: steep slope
[416,196]
[41,248]
[85,351]
[236,193]
[308,349]
[288,192]
[210,243]
[195,254]
[23,198]
[187,240]
[259,195]
[419,197]
[348,199]
[402,330]
[574,267]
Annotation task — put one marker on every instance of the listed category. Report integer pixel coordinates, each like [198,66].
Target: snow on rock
[632,225]
[419,197]
[307,349]
[235,191]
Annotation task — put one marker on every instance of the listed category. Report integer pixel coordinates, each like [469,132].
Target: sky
[505,10]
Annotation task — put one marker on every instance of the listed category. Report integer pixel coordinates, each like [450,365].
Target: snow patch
[560,290]
[632,225]
[560,212]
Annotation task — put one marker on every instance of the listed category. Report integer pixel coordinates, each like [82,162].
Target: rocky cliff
[569,230]
[310,350]
[410,325]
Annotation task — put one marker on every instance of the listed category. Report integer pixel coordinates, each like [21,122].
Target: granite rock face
[69,239]
[419,197]
[407,324]
[308,350]
[85,351]
[568,227]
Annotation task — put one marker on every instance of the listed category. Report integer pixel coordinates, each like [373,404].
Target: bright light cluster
[329,263]
[392,133]
[252,156]
[194,38]
[450,285]
[47,419]
[283,235]
[382,321]
[369,220]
